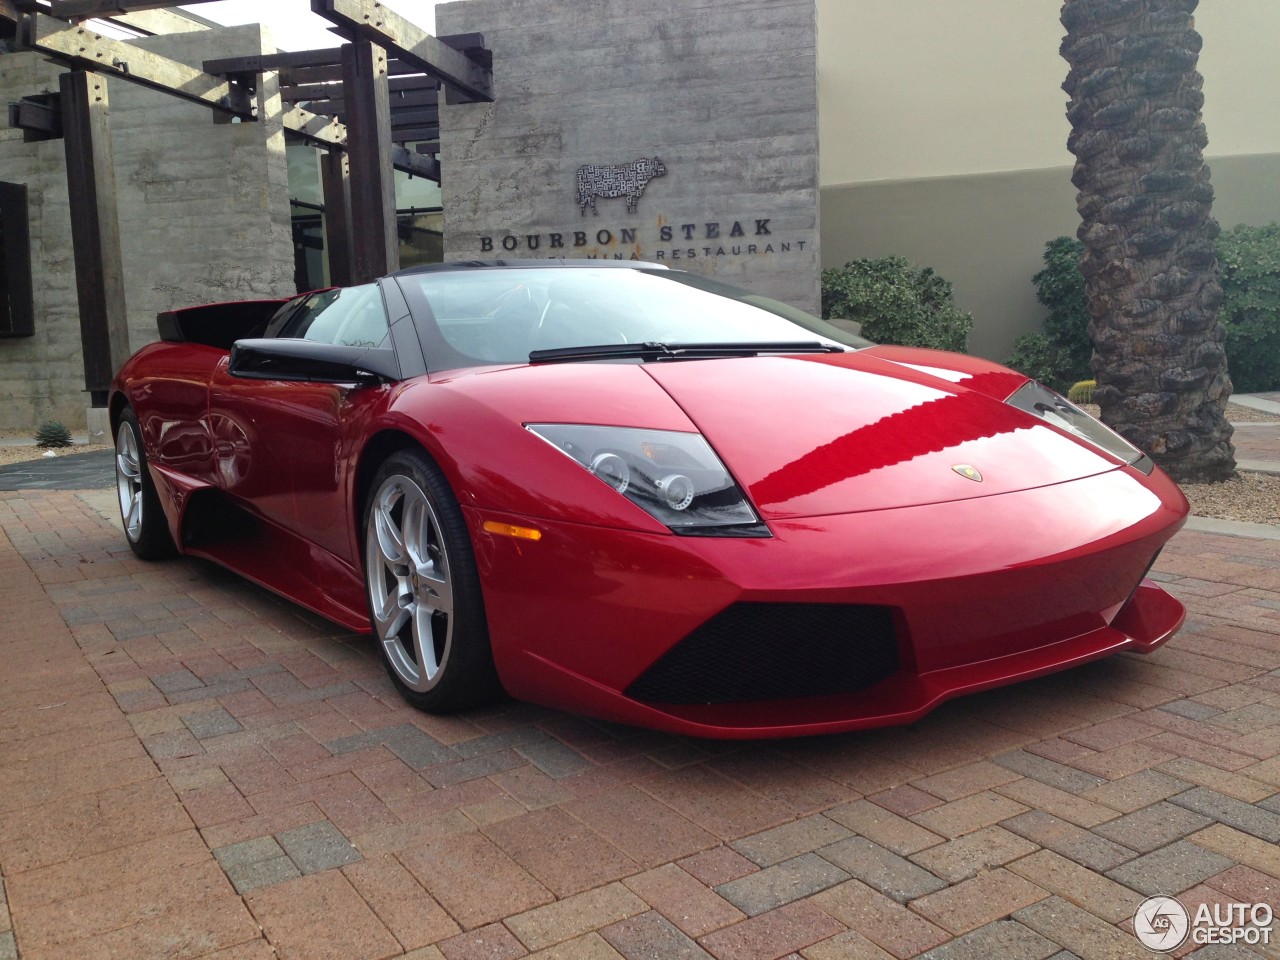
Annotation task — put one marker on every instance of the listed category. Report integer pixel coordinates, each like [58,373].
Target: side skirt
[219,530]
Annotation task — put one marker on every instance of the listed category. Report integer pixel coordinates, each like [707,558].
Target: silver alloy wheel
[129,482]
[410,591]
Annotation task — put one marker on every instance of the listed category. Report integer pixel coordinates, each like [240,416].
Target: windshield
[500,315]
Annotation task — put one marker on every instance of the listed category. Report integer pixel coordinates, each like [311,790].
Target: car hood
[824,434]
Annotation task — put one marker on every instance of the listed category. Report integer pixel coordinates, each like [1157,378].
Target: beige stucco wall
[943,139]
[931,88]
[936,88]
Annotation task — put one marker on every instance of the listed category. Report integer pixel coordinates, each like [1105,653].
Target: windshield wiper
[651,351]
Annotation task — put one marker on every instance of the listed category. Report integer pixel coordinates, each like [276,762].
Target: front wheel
[140,511]
[423,589]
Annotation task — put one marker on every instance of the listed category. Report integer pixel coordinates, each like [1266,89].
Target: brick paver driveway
[192,768]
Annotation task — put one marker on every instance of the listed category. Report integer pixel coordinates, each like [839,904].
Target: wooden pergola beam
[156,22]
[415,90]
[258,62]
[402,129]
[370,20]
[79,47]
[364,67]
[38,117]
[408,115]
[69,9]
[321,130]
[316,128]
[415,134]
[95,229]
[375,244]
[415,164]
[333,73]
[335,182]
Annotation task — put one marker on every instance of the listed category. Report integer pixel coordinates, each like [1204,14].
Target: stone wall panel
[723,92]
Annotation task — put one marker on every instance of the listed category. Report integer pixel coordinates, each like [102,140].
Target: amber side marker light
[511,530]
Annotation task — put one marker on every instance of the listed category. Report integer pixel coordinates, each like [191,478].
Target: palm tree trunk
[1144,199]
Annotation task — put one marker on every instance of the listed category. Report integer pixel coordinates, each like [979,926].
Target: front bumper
[982,593]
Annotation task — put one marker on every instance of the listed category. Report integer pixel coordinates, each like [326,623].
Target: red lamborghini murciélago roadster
[640,494]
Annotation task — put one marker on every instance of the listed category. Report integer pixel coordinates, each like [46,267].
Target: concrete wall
[42,376]
[944,139]
[204,216]
[724,92]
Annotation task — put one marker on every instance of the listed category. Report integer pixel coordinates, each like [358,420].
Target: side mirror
[311,361]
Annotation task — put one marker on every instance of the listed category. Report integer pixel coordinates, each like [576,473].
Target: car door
[284,447]
[172,408]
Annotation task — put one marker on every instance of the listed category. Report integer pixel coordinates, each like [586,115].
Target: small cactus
[53,434]
[1082,392]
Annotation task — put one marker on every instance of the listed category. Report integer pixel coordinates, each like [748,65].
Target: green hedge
[1249,259]
[896,302]
[1059,355]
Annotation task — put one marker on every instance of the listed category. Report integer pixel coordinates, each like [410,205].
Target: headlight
[675,477]
[1038,400]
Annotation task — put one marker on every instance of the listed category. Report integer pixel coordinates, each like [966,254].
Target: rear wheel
[423,588]
[140,511]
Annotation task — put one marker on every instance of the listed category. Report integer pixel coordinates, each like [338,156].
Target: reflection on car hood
[816,435]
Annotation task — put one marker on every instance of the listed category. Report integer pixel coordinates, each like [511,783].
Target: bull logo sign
[620,180]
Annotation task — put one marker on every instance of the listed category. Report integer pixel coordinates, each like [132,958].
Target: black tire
[424,596]
[141,515]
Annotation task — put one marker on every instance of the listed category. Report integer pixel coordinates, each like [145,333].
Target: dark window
[17,311]
[308,246]
[421,234]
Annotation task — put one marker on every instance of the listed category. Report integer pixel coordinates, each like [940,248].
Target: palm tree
[1144,199]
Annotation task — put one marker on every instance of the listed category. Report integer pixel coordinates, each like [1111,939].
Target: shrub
[1035,356]
[1059,356]
[53,434]
[1060,287]
[1249,258]
[1082,392]
[896,303]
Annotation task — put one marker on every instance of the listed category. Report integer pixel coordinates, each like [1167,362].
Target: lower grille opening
[775,651]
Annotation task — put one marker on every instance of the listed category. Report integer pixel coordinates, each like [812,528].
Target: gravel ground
[1239,414]
[1250,497]
[1235,413]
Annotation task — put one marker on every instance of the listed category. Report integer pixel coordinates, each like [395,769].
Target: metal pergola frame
[365,103]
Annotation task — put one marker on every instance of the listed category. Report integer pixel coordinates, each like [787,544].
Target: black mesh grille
[774,651]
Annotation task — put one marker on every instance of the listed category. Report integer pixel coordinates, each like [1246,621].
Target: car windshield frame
[497,315]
